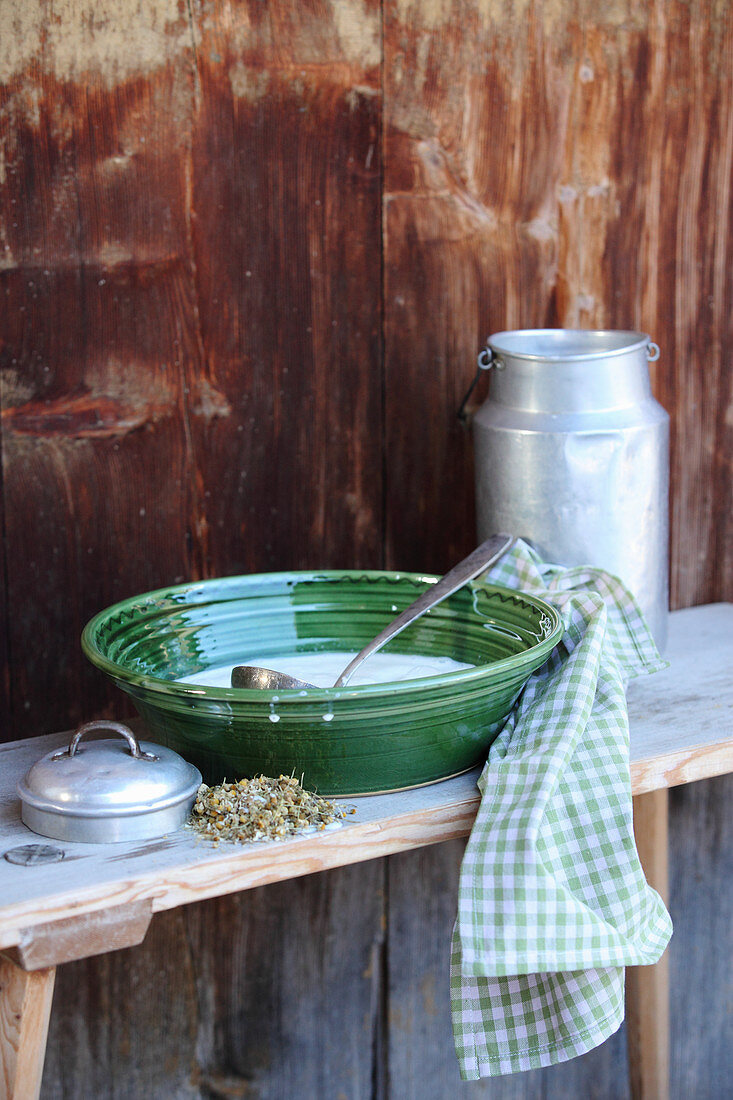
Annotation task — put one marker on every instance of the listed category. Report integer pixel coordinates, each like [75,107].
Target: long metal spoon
[252,676]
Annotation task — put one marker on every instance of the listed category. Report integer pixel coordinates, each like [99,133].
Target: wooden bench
[104,897]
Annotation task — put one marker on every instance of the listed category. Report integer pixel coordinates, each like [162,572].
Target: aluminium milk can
[572,454]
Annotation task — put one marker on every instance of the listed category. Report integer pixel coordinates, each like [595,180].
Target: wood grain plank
[286,226]
[700,870]
[421,1060]
[286,192]
[474,126]
[647,987]
[99,381]
[98,342]
[289,1001]
[25,1008]
[667,261]
[79,936]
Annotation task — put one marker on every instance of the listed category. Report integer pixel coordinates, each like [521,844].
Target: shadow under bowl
[351,740]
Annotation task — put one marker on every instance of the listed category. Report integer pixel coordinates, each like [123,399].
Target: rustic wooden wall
[248,252]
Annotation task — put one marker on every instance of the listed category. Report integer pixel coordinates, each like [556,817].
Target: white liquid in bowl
[322,669]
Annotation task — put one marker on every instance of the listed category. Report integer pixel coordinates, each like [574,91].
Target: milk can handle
[486,360]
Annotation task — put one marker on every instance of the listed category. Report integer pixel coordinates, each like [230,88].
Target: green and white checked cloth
[552,902]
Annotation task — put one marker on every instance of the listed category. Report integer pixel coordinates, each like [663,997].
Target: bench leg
[25,1009]
[647,987]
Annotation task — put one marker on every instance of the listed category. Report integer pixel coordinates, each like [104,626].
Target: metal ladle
[252,676]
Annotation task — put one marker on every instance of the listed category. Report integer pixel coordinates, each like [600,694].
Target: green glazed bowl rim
[174,688]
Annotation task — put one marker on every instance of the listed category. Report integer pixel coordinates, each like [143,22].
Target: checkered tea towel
[553,903]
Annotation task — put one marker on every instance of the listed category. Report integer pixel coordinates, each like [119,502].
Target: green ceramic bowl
[353,740]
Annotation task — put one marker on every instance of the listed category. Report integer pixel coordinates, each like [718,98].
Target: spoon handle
[476,562]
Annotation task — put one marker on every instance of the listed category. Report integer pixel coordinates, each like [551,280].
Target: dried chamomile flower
[261,809]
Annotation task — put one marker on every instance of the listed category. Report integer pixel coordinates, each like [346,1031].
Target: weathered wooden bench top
[681,723]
